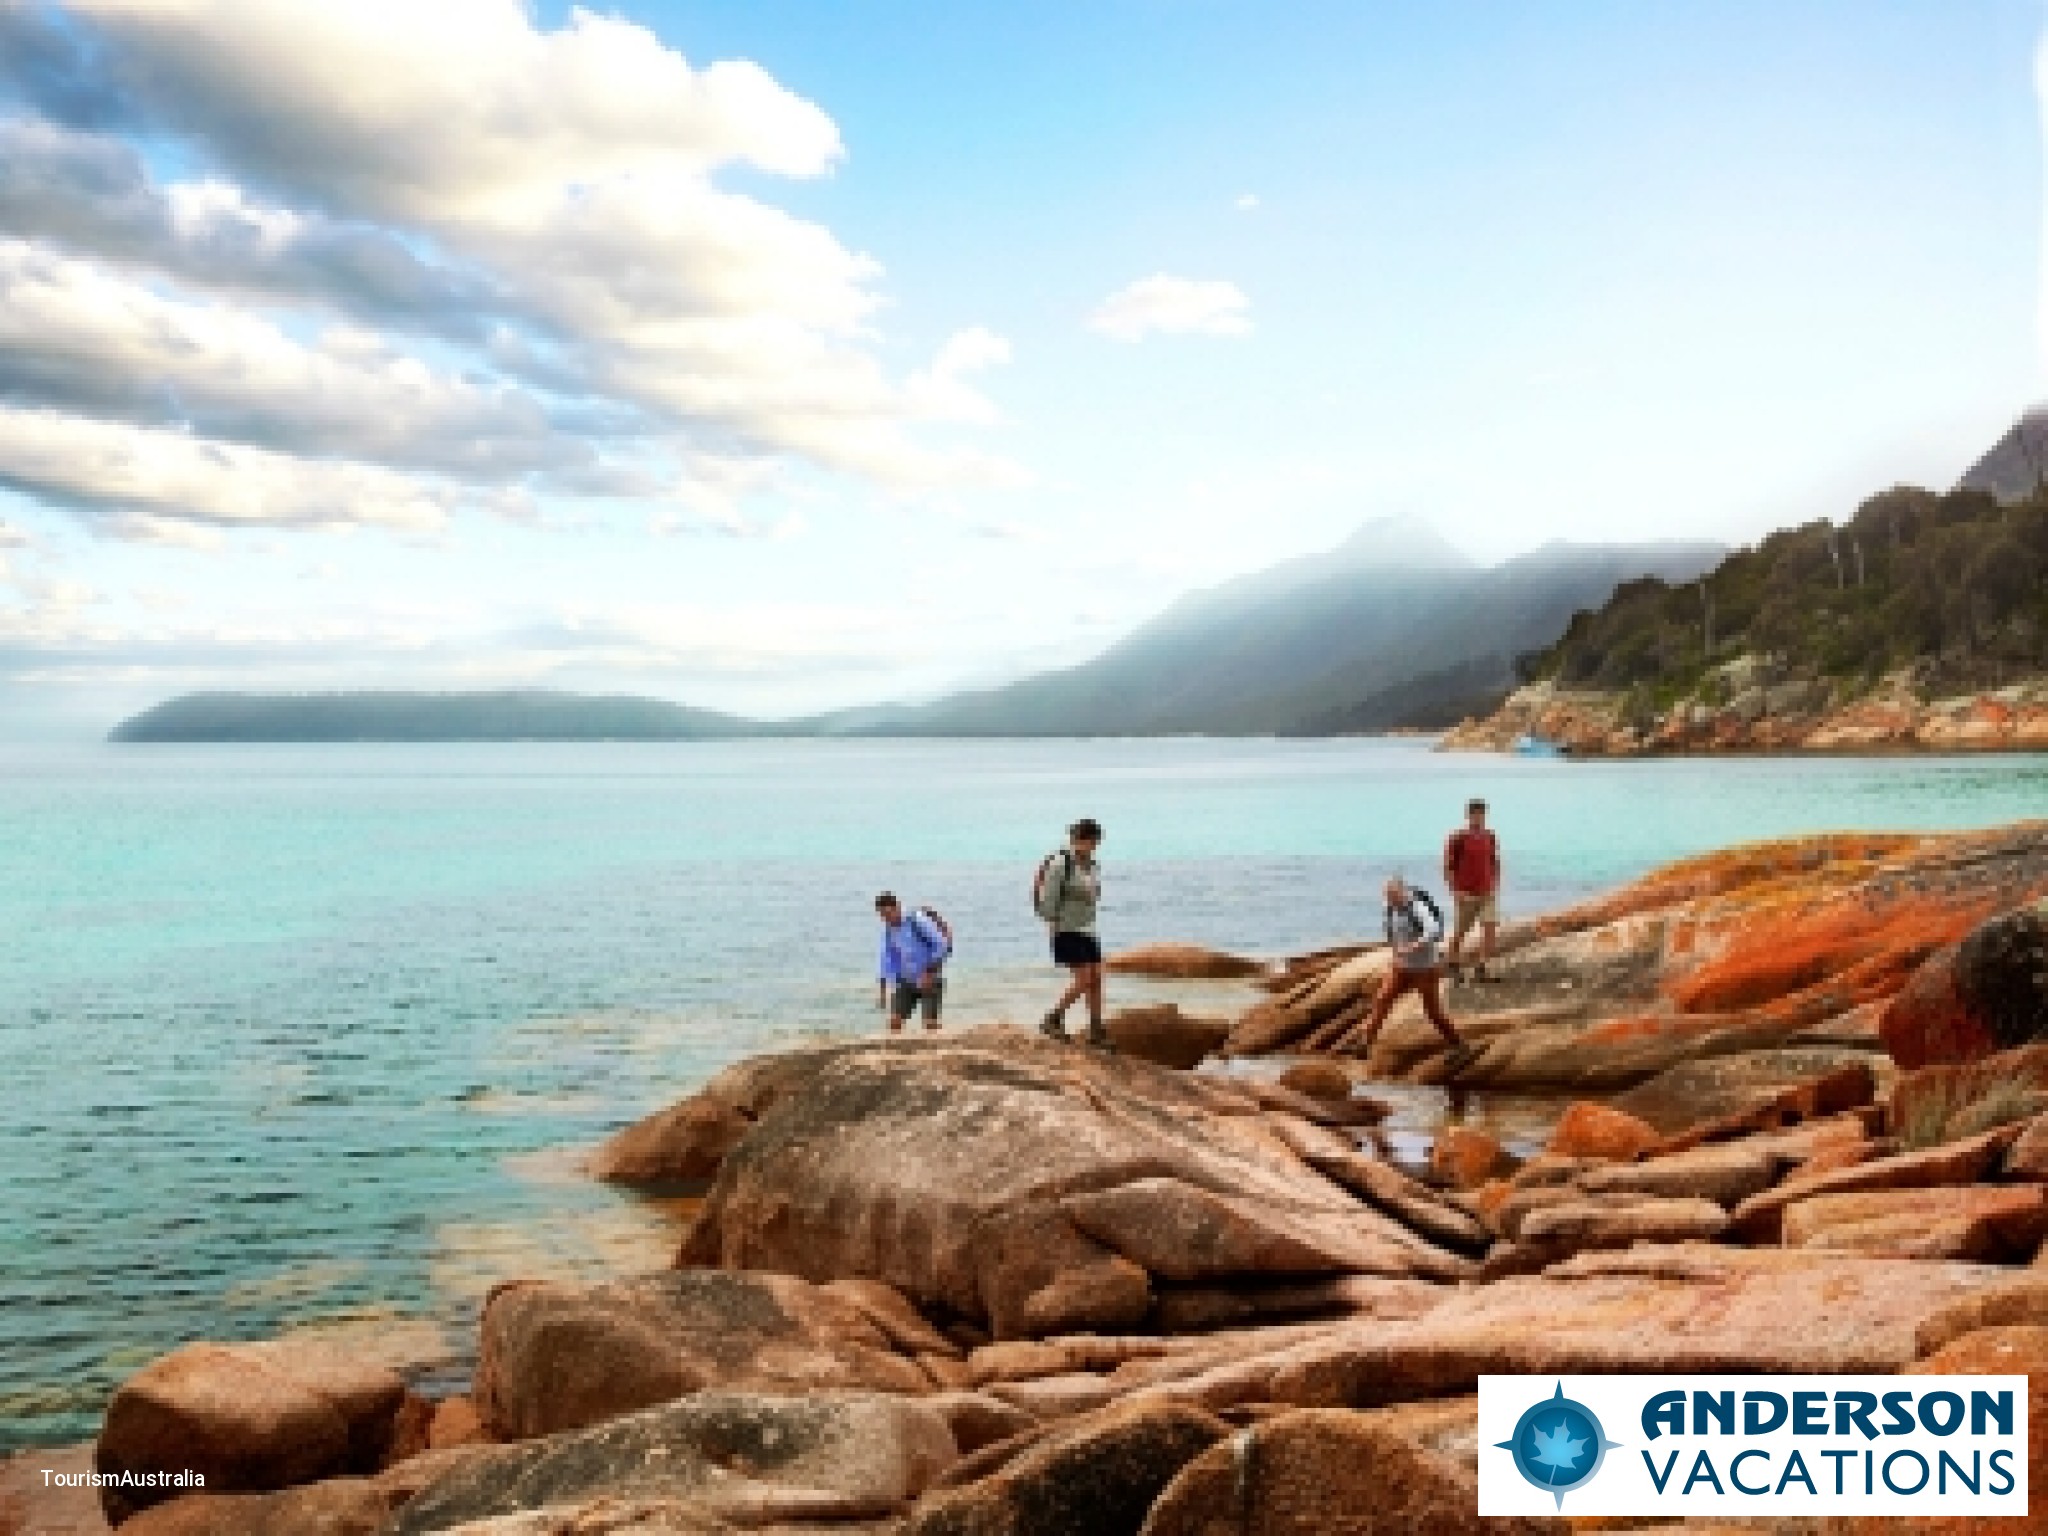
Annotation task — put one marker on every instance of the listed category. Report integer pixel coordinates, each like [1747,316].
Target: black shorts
[1072,949]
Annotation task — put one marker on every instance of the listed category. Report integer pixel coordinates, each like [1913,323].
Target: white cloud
[77,336]
[1173,306]
[160,476]
[1247,201]
[463,106]
[942,392]
[536,210]
[12,537]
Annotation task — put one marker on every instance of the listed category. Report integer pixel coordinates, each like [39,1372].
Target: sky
[778,357]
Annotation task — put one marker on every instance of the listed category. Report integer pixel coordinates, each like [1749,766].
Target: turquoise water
[291,1035]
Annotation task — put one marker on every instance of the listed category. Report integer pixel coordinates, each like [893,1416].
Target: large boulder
[1162,1034]
[248,1418]
[557,1357]
[751,1459]
[1983,1222]
[342,1506]
[682,1146]
[1985,994]
[1323,1472]
[1650,1309]
[1034,1187]
[1184,962]
[1098,1475]
[1760,1217]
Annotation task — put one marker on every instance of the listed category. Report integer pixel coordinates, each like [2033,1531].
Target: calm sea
[296,1035]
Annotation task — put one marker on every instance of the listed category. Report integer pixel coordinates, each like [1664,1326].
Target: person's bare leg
[1489,932]
[1092,979]
[1390,993]
[1430,985]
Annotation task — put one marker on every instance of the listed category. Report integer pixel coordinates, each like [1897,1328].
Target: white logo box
[1849,1471]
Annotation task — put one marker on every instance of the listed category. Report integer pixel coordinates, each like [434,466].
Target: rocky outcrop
[1101,1474]
[559,1357]
[1162,1034]
[984,1283]
[1033,1187]
[750,1459]
[248,1418]
[1762,969]
[1969,1000]
[1317,1471]
[1737,712]
[1184,962]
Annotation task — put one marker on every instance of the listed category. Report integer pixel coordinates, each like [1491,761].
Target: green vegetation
[1954,586]
[531,715]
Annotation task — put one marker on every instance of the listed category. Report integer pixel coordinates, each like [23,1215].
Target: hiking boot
[1458,1058]
[1489,977]
[1098,1038]
[1053,1027]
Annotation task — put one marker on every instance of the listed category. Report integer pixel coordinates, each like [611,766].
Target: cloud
[80,338]
[93,195]
[147,477]
[1247,201]
[442,240]
[942,393]
[1172,306]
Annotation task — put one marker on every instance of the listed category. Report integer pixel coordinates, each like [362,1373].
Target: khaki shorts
[1474,910]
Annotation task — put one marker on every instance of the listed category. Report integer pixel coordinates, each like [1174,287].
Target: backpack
[1418,897]
[931,915]
[1044,901]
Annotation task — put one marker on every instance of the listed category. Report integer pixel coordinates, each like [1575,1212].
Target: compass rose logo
[1558,1445]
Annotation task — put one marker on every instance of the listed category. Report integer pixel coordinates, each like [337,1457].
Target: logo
[1558,1445]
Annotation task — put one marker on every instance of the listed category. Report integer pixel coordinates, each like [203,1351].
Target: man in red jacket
[1472,871]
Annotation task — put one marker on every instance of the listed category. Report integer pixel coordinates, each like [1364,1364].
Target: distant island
[517,715]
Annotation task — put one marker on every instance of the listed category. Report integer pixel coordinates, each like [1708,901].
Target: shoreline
[1794,1100]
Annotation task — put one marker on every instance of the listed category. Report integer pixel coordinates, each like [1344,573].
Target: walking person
[1067,893]
[1417,967]
[1472,871]
[915,947]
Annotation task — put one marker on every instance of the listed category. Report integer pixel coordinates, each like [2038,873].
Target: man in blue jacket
[914,950]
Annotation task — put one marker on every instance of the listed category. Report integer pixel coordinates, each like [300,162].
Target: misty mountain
[1393,627]
[523,715]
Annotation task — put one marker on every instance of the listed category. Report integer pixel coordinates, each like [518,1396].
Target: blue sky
[817,388]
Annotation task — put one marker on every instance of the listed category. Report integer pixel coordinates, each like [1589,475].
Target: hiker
[1416,966]
[914,950]
[1472,871]
[1066,894]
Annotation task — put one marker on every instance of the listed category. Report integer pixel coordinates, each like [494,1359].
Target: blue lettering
[1974,1477]
[1887,1472]
[1987,1405]
[1898,1409]
[1838,1457]
[1703,1468]
[1660,1481]
[1930,1422]
[1665,1411]
[1797,1468]
[1809,1413]
[1855,1408]
[1719,1406]
[2001,1471]
[1735,1472]
[1752,1419]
